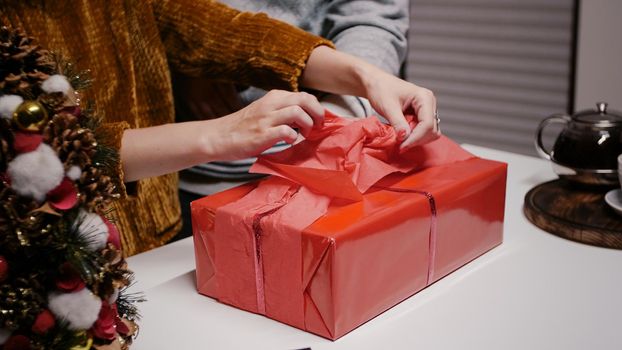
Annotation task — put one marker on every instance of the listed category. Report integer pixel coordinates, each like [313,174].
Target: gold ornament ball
[30,116]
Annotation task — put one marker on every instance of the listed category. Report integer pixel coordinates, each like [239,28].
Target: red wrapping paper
[340,233]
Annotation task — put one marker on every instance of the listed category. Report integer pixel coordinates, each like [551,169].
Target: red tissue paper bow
[347,156]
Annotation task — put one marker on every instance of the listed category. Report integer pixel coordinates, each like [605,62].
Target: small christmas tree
[62,275]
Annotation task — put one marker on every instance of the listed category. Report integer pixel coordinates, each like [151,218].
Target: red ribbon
[259,278]
[433,219]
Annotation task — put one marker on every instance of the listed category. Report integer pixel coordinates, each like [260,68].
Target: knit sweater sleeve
[111,134]
[206,38]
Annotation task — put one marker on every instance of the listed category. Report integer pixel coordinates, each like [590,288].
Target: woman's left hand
[392,97]
[339,73]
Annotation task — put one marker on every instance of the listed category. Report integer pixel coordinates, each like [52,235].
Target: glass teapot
[587,148]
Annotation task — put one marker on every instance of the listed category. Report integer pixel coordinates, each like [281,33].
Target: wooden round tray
[574,212]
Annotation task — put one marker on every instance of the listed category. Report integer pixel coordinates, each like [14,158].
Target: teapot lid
[599,116]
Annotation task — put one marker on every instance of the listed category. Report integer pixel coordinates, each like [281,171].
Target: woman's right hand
[260,125]
[163,149]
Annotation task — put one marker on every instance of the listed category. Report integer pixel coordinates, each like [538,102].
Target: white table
[535,291]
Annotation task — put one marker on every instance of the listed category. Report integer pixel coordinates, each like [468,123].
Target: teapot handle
[554,119]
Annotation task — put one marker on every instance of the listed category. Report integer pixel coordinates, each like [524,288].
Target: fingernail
[401,135]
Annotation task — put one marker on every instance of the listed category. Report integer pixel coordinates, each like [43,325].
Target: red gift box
[362,256]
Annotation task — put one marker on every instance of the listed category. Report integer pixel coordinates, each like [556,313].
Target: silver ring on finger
[437,119]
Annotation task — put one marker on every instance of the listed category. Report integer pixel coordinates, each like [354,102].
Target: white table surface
[535,291]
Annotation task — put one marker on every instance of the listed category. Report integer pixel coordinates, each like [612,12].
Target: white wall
[599,58]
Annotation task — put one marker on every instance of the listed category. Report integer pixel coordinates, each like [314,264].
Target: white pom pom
[113,298]
[34,174]
[74,172]
[8,105]
[56,83]
[92,228]
[4,335]
[80,309]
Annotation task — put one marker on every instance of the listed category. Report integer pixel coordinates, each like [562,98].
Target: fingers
[293,116]
[282,133]
[291,110]
[425,131]
[422,136]
[279,99]
[394,114]
[427,128]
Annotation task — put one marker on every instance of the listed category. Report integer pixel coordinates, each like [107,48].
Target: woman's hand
[339,73]
[164,149]
[257,127]
[392,97]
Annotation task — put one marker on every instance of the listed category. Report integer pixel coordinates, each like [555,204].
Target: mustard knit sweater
[131,47]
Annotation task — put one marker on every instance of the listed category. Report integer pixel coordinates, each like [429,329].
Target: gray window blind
[497,67]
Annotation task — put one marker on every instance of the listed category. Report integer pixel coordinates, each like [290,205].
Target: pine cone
[23,64]
[6,140]
[53,102]
[73,144]
[20,302]
[96,189]
[114,273]
[20,226]
[6,223]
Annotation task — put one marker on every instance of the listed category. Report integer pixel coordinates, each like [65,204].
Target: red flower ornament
[64,196]
[69,279]
[26,142]
[113,234]
[106,325]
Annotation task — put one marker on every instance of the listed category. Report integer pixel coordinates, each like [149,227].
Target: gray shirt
[372,30]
